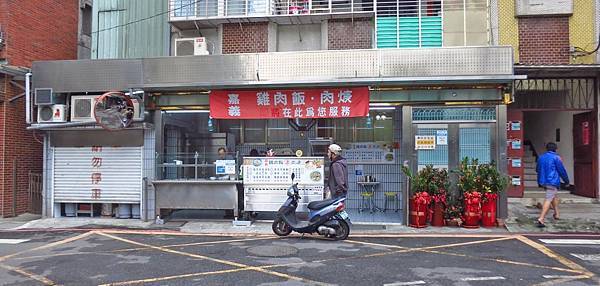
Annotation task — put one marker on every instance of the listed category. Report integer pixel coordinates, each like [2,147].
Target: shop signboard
[277,170]
[290,103]
[368,153]
[426,142]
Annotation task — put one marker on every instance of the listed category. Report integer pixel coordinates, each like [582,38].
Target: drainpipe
[72,124]
[28,98]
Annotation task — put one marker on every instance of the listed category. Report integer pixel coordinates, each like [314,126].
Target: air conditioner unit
[52,113]
[82,108]
[191,47]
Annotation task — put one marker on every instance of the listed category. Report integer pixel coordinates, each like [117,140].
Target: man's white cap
[335,149]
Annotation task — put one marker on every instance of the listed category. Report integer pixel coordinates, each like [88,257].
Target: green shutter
[387,32]
[431,31]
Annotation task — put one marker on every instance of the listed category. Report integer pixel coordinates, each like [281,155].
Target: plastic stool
[389,196]
[366,199]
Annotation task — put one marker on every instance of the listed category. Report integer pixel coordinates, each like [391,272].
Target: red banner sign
[290,103]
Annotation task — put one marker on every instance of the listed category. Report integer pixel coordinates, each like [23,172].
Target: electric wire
[586,53]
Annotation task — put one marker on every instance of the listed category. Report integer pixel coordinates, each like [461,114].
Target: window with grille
[257,131]
[409,23]
[378,127]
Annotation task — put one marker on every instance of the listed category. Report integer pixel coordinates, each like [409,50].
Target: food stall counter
[197,194]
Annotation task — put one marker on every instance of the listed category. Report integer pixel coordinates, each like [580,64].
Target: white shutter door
[98,174]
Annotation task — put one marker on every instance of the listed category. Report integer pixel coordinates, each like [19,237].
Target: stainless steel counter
[196,194]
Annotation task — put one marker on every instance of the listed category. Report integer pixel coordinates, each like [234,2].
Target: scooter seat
[315,205]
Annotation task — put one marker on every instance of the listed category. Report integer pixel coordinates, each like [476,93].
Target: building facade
[24,38]
[430,69]
[555,46]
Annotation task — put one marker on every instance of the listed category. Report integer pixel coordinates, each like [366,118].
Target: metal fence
[555,93]
[203,9]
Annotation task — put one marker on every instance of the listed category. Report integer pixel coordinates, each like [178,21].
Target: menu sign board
[278,170]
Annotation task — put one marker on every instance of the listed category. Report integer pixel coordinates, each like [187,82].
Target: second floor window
[409,23]
[183,8]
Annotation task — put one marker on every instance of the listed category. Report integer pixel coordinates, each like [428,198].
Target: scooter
[327,217]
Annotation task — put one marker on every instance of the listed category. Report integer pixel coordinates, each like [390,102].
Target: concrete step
[530,184]
[530,177]
[530,171]
[535,197]
[529,165]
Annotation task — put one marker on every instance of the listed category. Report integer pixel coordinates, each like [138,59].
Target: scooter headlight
[290,192]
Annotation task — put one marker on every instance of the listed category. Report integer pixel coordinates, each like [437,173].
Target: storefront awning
[373,67]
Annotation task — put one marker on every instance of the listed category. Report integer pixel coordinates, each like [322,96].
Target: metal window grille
[454,114]
[437,156]
[475,143]
[566,93]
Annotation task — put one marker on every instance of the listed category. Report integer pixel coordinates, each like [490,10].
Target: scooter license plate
[344,214]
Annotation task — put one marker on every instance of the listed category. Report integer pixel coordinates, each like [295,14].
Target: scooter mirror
[293,176]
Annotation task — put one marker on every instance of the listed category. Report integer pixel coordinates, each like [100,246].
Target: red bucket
[438,214]
[488,210]
[472,216]
[418,214]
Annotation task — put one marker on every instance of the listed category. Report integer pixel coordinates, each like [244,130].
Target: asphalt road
[122,257]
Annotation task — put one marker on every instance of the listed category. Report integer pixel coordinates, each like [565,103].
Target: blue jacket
[550,169]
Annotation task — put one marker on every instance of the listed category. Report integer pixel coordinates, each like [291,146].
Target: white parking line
[420,282]
[12,241]
[587,257]
[562,276]
[571,241]
[483,278]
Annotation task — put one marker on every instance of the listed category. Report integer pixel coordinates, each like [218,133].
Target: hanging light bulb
[378,117]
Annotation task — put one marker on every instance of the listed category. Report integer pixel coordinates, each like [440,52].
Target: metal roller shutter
[98,174]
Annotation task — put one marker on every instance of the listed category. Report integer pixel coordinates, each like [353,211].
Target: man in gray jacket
[338,172]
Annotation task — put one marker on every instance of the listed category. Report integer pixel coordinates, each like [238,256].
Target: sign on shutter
[98,174]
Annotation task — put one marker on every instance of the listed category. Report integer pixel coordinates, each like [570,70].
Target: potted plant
[453,212]
[469,185]
[494,183]
[439,187]
[419,197]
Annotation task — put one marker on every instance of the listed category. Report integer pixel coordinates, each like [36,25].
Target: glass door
[431,145]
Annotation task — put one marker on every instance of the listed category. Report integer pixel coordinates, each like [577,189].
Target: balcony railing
[211,9]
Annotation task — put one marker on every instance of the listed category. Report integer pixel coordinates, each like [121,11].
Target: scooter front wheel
[281,228]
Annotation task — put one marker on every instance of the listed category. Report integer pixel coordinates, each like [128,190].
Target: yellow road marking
[57,243]
[437,246]
[177,233]
[548,252]
[143,248]
[33,276]
[149,280]
[504,261]
[424,249]
[226,262]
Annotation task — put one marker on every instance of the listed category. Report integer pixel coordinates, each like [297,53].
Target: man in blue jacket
[550,170]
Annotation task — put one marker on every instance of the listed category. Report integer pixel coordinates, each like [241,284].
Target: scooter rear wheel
[342,231]
[281,228]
